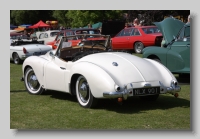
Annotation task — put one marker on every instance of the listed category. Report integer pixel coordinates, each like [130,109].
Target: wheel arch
[153,57]
[73,83]
[95,76]
[136,42]
[25,68]
[13,54]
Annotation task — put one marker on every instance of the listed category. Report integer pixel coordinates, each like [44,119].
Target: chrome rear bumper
[123,94]
[173,89]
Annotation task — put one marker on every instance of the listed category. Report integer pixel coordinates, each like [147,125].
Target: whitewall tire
[31,83]
[84,94]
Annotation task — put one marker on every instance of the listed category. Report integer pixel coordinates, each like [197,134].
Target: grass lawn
[56,110]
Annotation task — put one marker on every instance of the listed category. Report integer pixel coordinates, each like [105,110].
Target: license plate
[146,91]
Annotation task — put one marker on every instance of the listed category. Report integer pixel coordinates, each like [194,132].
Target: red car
[75,40]
[136,38]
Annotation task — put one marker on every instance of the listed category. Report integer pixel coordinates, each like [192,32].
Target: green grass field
[56,110]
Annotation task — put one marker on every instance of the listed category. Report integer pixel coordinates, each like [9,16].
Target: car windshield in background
[53,34]
[18,37]
[88,32]
[88,40]
[151,30]
[187,32]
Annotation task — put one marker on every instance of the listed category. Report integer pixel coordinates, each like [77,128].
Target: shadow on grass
[17,91]
[131,105]
[135,105]
[60,95]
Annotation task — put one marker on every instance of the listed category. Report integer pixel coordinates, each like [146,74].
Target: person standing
[135,22]
[26,34]
[126,25]
[188,22]
[89,26]
[90,31]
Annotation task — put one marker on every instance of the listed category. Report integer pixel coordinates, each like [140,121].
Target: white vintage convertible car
[20,49]
[91,72]
[47,36]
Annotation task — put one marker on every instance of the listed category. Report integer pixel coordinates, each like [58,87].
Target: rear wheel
[83,93]
[16,58]
[150,97]
[138,46]
[31,83]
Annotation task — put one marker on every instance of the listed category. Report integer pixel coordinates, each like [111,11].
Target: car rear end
[35,49]
[154,33]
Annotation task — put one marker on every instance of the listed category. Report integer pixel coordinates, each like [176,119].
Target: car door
[178,58]
[136,35]
[122,40]
[55,73]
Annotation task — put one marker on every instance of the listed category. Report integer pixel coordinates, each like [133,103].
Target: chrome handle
[63,68]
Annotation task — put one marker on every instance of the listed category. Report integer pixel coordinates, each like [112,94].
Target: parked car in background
[175,54]
[68,32]
[137,38]
[47,36]
[16,36]
[20,49]
[91,72]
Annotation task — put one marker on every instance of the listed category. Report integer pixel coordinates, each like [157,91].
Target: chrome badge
[114,64]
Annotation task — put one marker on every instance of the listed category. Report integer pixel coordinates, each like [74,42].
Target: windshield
[184,33]
[87,32]
[151,30]
[88,44]
[18,37]
[53,34]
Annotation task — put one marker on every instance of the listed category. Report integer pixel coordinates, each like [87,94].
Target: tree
[60,16]
[29,16]
[80,18]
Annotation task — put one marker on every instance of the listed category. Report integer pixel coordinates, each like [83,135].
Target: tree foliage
[29,16]
[61,17]
[80,18]
[150,16]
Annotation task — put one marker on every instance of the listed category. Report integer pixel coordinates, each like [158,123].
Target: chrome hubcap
[83,89]
[32,81]
[139,47]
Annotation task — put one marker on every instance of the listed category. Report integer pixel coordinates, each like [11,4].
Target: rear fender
[99,80]
[152,52]
[165,76]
